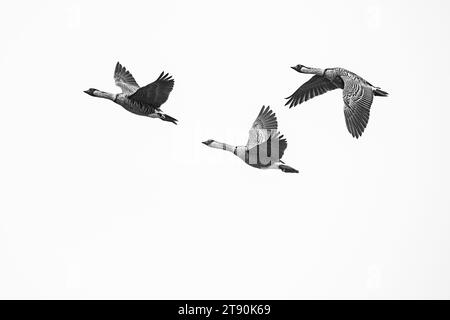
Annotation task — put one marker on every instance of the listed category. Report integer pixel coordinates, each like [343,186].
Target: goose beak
[86,91]
[205,143]
[294,68]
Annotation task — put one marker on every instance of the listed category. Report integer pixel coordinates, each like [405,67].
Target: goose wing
[315,86]
[268,152]
[262,128]
[155,93]
[358,98]
[124,79]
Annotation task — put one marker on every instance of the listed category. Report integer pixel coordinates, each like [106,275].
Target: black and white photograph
[225,150]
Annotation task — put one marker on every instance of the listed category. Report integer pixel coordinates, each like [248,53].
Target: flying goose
[265,146]
[143,101]
[357,93]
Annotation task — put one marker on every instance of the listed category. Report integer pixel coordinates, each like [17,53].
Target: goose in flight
[265,146]
[143,101]
[357,93]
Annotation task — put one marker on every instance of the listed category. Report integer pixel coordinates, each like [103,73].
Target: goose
[143,101]
[265,146]
[357,93]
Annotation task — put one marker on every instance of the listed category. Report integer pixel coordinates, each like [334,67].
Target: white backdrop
[99,203]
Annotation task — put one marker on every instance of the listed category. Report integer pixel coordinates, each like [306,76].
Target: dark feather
[155,93]
[263,155]
[315,86]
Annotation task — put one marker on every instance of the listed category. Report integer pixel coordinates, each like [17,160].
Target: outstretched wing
[124,79]
[315,86]
[358,99]
[155,93]
[262,128]
[268,152]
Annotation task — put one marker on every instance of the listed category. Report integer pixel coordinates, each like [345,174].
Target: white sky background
[99,203]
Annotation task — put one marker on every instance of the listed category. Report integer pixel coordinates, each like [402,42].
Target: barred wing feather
[358,99]
[124,79]
[262,128]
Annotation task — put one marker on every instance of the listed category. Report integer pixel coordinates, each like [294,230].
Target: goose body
[358,94]
[143,101]
[265,146]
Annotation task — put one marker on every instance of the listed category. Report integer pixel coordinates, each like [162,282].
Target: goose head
[208,142]
[90,91]
[298,67]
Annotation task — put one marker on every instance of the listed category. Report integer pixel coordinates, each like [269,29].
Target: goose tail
[286,168]
[166,117]
[380,93]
